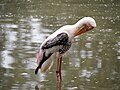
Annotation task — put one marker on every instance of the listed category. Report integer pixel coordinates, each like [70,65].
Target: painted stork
[60,41]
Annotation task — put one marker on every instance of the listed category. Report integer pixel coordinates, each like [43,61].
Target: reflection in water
[36,29]
[99,63]
[7,60]
[41,86]
[9,46]
[92,63]
[58,85]
[86,54]
[118,57]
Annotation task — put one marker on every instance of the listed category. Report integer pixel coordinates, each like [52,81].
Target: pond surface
[92,63]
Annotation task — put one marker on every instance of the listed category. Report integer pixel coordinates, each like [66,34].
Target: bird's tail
[39,59]
[44,62]
[36,70]
[40,56]
[46,65]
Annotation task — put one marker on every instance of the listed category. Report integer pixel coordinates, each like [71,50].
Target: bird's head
[83,25]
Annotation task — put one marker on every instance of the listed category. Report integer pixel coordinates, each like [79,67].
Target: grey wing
[65,48]
[60,39]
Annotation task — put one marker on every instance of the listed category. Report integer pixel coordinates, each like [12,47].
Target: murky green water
[92,63]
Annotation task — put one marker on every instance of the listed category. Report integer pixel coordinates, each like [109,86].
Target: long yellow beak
[83,29]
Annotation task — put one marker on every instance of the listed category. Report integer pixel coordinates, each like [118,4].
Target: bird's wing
[60,39]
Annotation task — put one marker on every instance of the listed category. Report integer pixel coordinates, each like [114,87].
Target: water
[92,63]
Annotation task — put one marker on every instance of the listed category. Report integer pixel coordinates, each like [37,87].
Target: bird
[60,42]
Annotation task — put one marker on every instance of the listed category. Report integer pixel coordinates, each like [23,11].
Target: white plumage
[60,41]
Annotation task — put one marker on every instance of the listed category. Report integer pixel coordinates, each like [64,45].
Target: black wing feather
[60,39]
[42,61]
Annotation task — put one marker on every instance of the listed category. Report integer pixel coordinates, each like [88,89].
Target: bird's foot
[59,77]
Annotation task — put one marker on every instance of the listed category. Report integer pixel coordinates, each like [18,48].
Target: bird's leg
[58,72]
